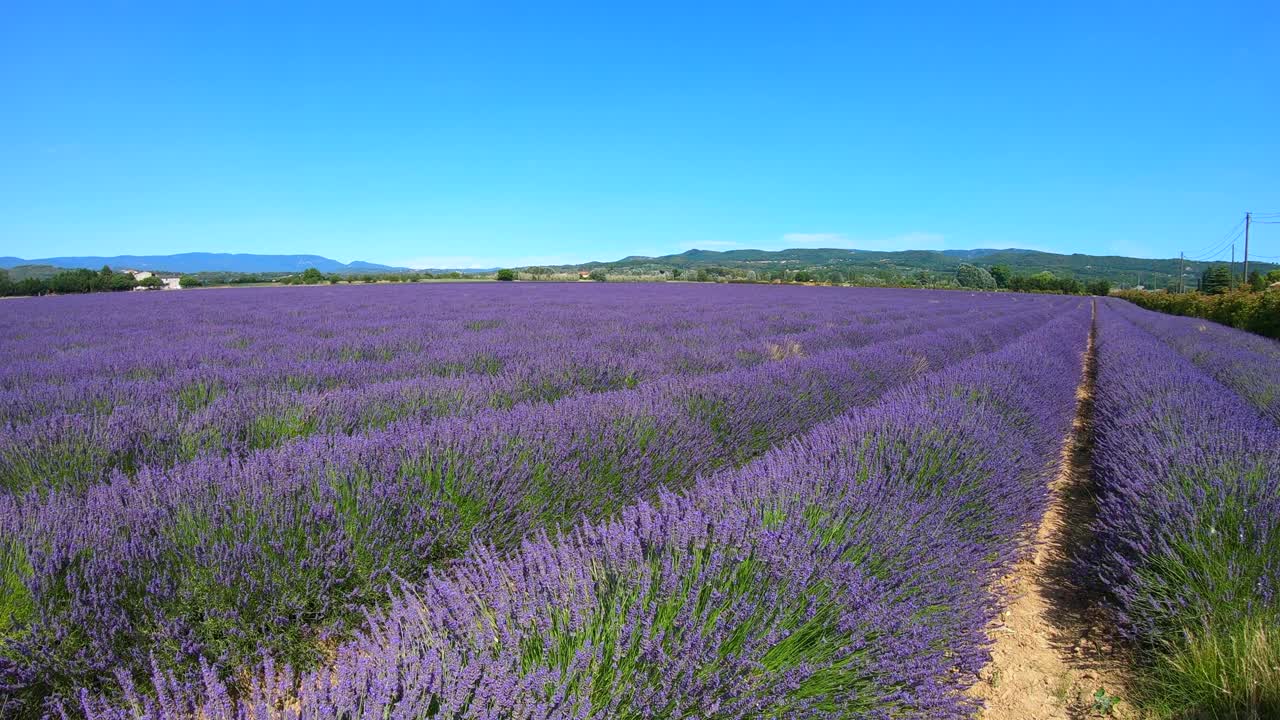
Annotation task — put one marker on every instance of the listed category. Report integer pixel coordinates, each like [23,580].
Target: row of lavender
[846,573]
[109,352]
[78,453]
[1188,524]
[221,559]
[83,409]
[1249,364]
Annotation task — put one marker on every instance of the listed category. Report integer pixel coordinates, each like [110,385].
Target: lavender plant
[1188,525]
[254,372]
[846,573]
[1242,361]
[124,554]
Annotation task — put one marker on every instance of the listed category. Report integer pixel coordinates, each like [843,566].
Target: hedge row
[1257,312]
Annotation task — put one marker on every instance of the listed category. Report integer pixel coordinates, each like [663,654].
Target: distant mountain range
[1121,271]
[207,262]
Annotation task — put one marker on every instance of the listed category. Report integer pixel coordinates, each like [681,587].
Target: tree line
[997,277]
[1218,279]
[312,276]
[1000,277]
[75,281]
[107,280]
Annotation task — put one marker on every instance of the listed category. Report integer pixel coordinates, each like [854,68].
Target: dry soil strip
[1052,648]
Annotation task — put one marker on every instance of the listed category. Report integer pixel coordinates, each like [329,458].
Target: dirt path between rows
[1052,649]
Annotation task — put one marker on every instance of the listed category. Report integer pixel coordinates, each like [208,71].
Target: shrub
[506,275]
[971,276]
[1257,312]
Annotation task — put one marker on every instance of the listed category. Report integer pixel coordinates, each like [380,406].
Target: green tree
[151,283]
[1215,280]
[1256,281]
[31,286]
[1070,286]
[121,281]
[1099,287]
[506,275]
[803,276]
[598,275]
[1044,278]
[971,276]
[75,281]
[1001,274]
[189,281]
[312,276]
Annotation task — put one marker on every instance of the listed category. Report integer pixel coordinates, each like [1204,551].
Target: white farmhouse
[170,283]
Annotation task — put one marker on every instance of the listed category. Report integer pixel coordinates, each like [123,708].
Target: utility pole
[1182,271]
[1247,217]
[1232,285]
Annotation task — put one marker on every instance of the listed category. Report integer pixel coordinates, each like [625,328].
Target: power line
[1232,231]
[1214,251]
[1218,248]
[1212,257]
[1224,242]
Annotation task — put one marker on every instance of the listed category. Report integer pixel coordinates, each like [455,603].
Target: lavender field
[600,501]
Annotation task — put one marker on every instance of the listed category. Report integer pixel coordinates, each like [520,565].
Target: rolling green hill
[870,264]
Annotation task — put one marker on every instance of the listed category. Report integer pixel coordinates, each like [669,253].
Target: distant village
[143,278]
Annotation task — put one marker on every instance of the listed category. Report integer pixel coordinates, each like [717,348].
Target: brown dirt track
[1052,647]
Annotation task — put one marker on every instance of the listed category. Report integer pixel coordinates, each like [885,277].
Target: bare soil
[1052,647]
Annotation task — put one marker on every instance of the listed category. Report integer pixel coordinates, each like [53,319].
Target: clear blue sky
[479,134]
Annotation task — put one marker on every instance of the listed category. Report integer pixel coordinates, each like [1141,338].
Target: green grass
[73,463]
[199,394]
[1217,656]
[1227,671]
[274,429]
[16,604]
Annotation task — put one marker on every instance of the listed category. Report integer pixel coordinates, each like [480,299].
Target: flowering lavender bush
[1188,525]
[846,573]
[132,544]
[177,378]
[1245,362]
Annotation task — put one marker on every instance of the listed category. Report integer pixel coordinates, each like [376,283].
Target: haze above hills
[204,262]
